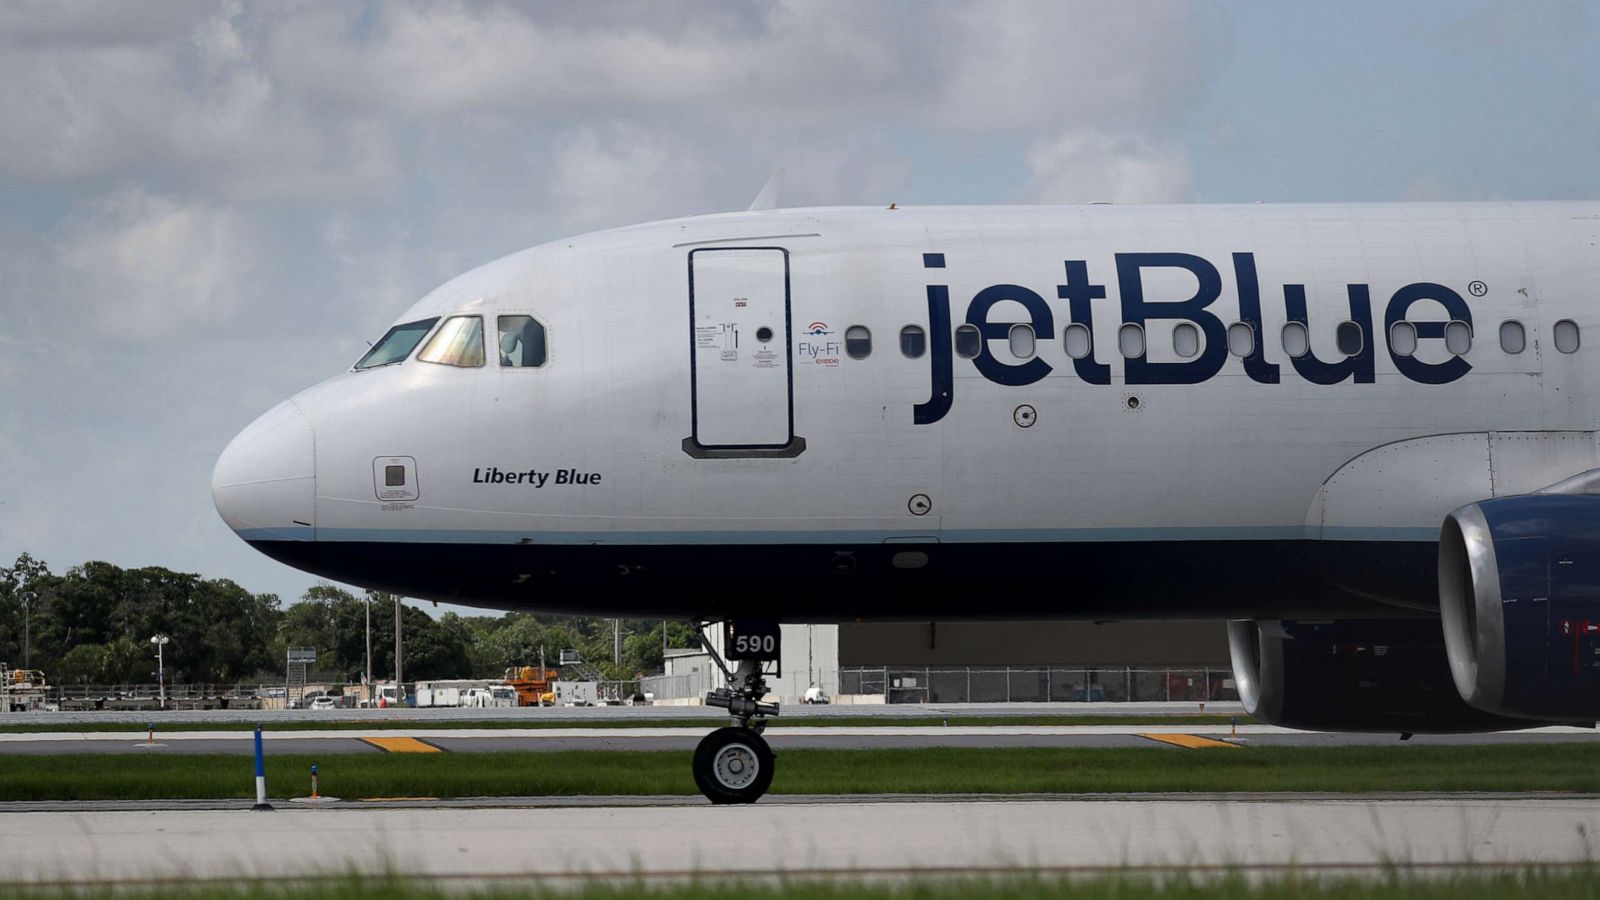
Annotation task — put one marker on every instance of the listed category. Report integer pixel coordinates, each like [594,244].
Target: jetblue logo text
[1079,289]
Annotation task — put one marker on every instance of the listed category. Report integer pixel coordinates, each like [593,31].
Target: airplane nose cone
[264,484]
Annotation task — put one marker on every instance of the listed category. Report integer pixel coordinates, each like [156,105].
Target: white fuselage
[659,419]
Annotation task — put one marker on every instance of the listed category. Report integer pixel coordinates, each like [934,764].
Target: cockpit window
[521,342]
[397,344]
[458,342]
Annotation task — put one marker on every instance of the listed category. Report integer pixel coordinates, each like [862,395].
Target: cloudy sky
[205,207]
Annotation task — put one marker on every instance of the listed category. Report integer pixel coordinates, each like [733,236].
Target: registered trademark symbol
[1478,289]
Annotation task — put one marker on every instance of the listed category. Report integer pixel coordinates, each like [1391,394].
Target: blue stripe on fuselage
[910,535]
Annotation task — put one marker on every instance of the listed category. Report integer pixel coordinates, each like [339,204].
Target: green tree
[83,664]
[434,649]
[19,585]
[94,623]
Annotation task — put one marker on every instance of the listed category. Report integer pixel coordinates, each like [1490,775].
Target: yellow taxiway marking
[401,745]
[1192,741]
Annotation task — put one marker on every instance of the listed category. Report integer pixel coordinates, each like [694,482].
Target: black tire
[723,762]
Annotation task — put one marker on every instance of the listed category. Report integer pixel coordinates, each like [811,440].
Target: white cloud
[218,39]
[335,102]
[1134,66]
[186,104]
[1079,168]
[86,22]
[147,266]
[979,65]
[426,60]
[622,174]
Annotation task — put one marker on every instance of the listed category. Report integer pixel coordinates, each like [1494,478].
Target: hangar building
[953,662]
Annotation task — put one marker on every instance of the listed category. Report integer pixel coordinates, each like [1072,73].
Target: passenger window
[396,344]
[858,342]
[1185,340]
[1348,338]
[913,341]
[522,342]
[1077,340]
[968,341]
[1566,334]
[1022,341]
[1513,339]
[1296,342]
[1241,339]
[1458,337]
[458,342]
[1402,338]
[1130,340]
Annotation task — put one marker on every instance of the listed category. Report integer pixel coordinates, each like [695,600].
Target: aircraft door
[741,379]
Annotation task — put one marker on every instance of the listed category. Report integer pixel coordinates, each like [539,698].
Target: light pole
[368,682]
[27,629]
[399,650]
[160,641]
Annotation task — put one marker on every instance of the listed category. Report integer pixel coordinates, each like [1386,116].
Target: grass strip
[313,723]
[1000,770]
[1471,885]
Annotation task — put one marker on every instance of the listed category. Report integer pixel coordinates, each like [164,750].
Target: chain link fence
[895,684]
[678,687]
[179,696]
[273,695]
[1052,684]
[996,684]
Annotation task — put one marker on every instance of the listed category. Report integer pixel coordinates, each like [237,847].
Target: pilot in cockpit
[522,342]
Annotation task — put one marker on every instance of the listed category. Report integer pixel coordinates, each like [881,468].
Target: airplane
[1365,434]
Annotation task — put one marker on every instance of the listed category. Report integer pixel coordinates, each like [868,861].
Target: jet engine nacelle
[1352,675]
[1519,592]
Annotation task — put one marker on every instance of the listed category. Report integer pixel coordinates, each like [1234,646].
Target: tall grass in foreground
[1000,770]
[1554,885]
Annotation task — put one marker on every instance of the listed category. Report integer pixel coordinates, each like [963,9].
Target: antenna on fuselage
[768,198]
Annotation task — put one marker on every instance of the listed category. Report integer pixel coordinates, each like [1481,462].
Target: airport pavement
[840,737]
[933,836]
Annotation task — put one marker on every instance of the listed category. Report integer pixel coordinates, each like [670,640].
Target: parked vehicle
[22,689]
[532,685]
[389,694]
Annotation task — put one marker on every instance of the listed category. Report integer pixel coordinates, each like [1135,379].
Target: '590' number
[750,639]
[754,644]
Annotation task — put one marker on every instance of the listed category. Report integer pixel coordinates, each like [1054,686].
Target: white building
[809,655]
[976,661]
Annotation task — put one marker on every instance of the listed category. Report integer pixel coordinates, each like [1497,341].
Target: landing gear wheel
[733,765]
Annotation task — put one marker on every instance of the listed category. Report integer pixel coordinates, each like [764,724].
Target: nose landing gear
[735,764]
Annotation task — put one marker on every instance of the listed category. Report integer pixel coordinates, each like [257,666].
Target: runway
[684,739]
[930,837]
